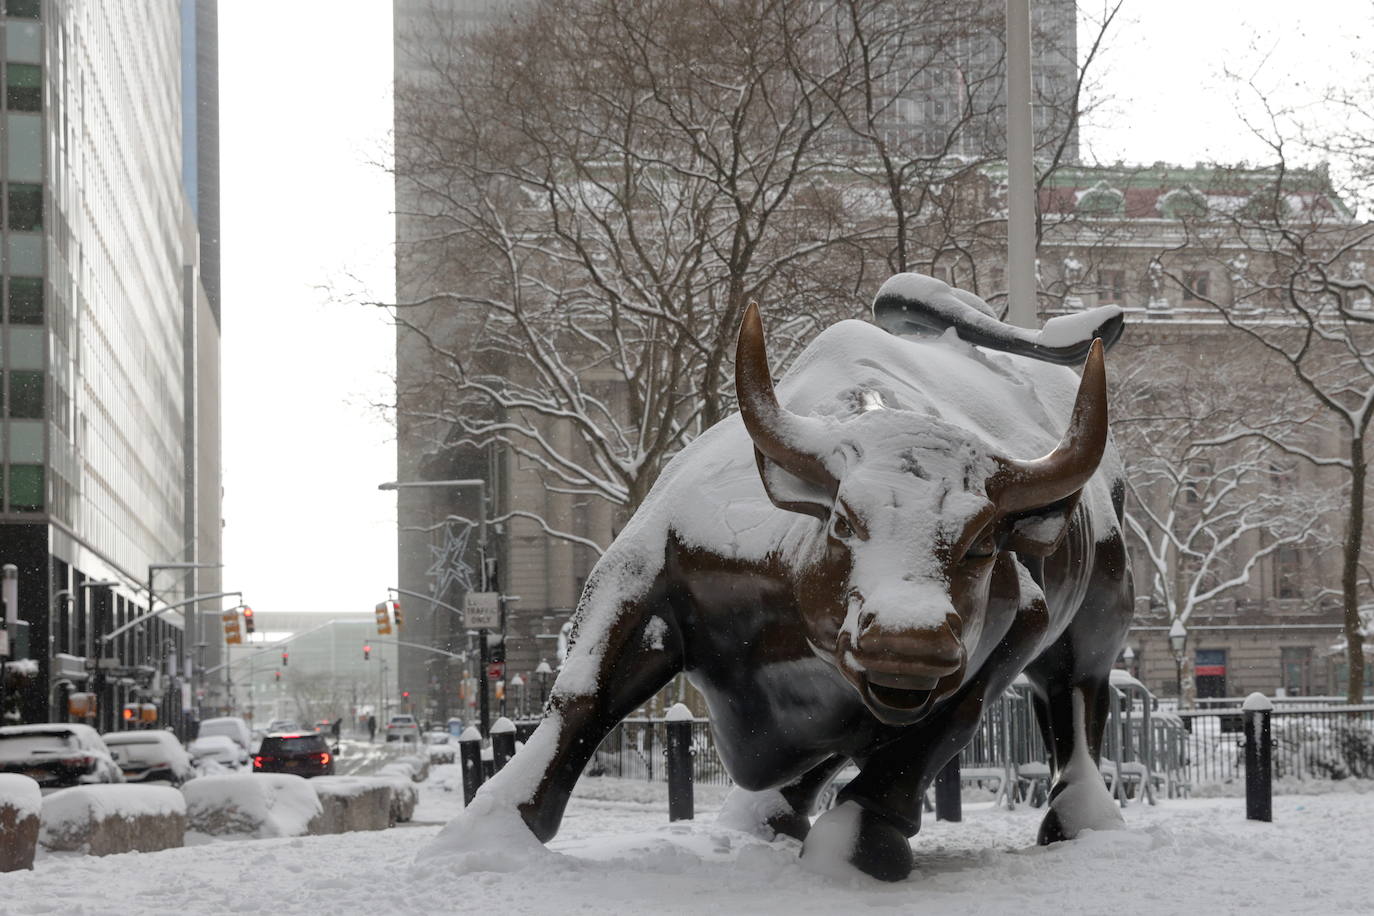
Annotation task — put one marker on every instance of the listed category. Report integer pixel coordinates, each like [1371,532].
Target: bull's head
[916,514]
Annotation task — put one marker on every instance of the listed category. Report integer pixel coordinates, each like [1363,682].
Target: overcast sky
[305,115]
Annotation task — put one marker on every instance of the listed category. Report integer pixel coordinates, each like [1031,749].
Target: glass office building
[109,423]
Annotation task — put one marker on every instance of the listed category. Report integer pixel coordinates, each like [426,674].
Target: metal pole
[1259,770]
[502,742]
[949,805]
[470,754]
[1020,170]
[678,749]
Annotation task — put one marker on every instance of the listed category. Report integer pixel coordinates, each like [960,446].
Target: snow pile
[21,795]
[749,812]
[107,819]
[258,804]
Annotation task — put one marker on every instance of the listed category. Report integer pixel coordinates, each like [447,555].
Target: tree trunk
[1350,568]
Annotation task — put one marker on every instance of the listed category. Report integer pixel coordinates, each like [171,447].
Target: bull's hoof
[1075,807]
[792,824]
[850,837]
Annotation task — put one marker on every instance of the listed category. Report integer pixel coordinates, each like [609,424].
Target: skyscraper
[109,435]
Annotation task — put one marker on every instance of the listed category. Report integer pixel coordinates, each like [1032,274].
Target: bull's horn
[793,441]
[1021,485]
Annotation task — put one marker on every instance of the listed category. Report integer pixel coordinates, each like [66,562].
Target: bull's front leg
[626,646]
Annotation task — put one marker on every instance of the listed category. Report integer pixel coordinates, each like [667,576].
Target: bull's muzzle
[902,673]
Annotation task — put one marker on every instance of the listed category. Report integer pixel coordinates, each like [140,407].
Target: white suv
[403,728]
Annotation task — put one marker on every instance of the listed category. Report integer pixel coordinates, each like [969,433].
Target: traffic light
[232,635]
[405,694]
[383,620]
[285,658]
[367,652]
[396,612]
[248,620]
[278,677]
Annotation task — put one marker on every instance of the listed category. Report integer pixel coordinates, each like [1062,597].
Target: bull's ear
[793,493]
[1039,532]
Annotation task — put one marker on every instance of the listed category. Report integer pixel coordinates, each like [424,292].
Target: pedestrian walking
[371,728]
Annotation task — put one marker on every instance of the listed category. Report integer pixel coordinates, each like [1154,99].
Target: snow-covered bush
[1339,750]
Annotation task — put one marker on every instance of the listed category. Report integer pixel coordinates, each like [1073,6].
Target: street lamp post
[1178,639]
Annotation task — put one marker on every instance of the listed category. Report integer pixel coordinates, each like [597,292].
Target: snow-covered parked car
[212,753]
[231,727]
[144,756]
[442,747]
[57,755]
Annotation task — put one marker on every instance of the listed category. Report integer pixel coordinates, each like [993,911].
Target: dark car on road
[303,753]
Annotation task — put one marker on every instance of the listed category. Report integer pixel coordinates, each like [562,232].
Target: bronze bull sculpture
[850,569]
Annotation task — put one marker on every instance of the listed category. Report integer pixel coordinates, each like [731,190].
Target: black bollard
[679,752]
[470,754]
[524,729]
[502,742]
[1259,769]
[949,804]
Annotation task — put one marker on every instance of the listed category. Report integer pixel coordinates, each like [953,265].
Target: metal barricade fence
[1325,742]
[634,749]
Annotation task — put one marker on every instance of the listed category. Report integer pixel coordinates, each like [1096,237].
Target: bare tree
[1205,507]
[1304,298]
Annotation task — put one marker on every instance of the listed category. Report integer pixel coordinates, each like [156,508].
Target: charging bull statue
[849,570]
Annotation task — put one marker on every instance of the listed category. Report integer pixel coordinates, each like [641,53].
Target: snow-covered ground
[617,854]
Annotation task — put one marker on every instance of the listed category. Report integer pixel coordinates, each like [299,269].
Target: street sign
[482,610]
[495,670]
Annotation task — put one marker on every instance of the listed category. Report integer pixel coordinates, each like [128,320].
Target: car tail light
[324,758]
[84,761]
[257,763]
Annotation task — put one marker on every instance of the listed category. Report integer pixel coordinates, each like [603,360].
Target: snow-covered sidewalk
[617,854]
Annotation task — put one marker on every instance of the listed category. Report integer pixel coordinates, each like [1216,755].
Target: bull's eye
[841,528]
[981,549]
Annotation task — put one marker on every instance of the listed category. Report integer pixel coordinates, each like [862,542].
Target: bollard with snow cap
[502,742]
[470,754]
[679,751]
[1259,771]
[949,801]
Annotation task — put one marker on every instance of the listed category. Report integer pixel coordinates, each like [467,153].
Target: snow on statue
[847,570]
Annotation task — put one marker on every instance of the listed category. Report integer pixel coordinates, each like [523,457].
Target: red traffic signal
[405,694]
[285,658]
[248,619]
[367,652]
[279,675]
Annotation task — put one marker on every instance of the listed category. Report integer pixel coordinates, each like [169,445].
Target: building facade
[110,428]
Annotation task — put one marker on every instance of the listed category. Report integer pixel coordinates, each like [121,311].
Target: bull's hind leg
[626,646]
[1072,693]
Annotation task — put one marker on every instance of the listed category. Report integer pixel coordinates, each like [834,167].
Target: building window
[24,9]
[26,487]
[26,395]
[1209,673]
[1296,662]
[26,300]
[1197,285]
[23,87]
[1111,286]
[25,207]
[1287,572]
